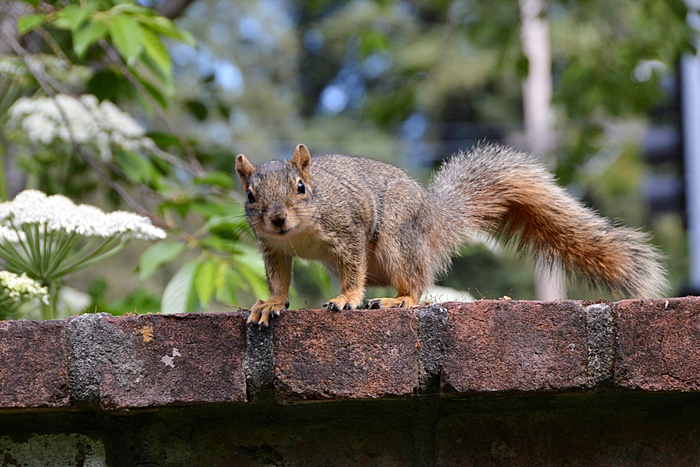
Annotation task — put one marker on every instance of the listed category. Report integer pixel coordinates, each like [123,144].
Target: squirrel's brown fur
[372,224]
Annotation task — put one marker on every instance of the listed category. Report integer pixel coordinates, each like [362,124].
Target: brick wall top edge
[486,346]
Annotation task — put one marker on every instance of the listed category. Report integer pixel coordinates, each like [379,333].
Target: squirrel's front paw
[262,310]
[341,302]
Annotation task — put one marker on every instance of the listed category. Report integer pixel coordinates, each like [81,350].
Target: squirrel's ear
[245,169]
[301,158]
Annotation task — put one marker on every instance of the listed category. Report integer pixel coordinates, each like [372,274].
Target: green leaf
[220,179]
[152,90]
[164,83]
[164,26]
[205,281]
[109,84]
[255,280]
[131,9]
[127,36]
[28,22]
[88,35]
[135,166]
[251,268]
[178,293]
[226,290]
[213,243]
[208,209]
[158,255]
[72,16]
[157,52]
[226,227]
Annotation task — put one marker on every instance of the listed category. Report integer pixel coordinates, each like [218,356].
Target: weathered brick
[346,355]
[657,346]
[155,360]
[33,364]
[514,346]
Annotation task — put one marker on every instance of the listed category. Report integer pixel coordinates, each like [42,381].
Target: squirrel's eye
[301,188]
[251,196]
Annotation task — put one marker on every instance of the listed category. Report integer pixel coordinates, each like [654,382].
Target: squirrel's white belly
[304,246]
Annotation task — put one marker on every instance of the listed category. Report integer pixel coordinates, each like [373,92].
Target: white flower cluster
[91,122]
[58,213]
[21,288]
[10,235]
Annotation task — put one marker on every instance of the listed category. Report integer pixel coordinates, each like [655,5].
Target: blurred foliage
[408,82]
[491,275]
[139,301]
[118,51]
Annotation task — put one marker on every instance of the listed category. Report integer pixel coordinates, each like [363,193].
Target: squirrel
[372,224]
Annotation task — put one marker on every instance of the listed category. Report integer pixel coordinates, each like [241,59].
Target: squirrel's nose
[278,220]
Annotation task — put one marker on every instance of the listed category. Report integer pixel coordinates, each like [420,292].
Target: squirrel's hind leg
[401,301]
[406,272]
[408,296]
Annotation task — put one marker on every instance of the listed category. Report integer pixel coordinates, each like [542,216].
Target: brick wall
[488,383]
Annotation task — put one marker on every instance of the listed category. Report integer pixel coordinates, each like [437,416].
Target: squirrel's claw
[335,306]
[253,317]
[261,312]
[341,302]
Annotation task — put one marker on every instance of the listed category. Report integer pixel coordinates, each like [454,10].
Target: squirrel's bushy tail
[505,193]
